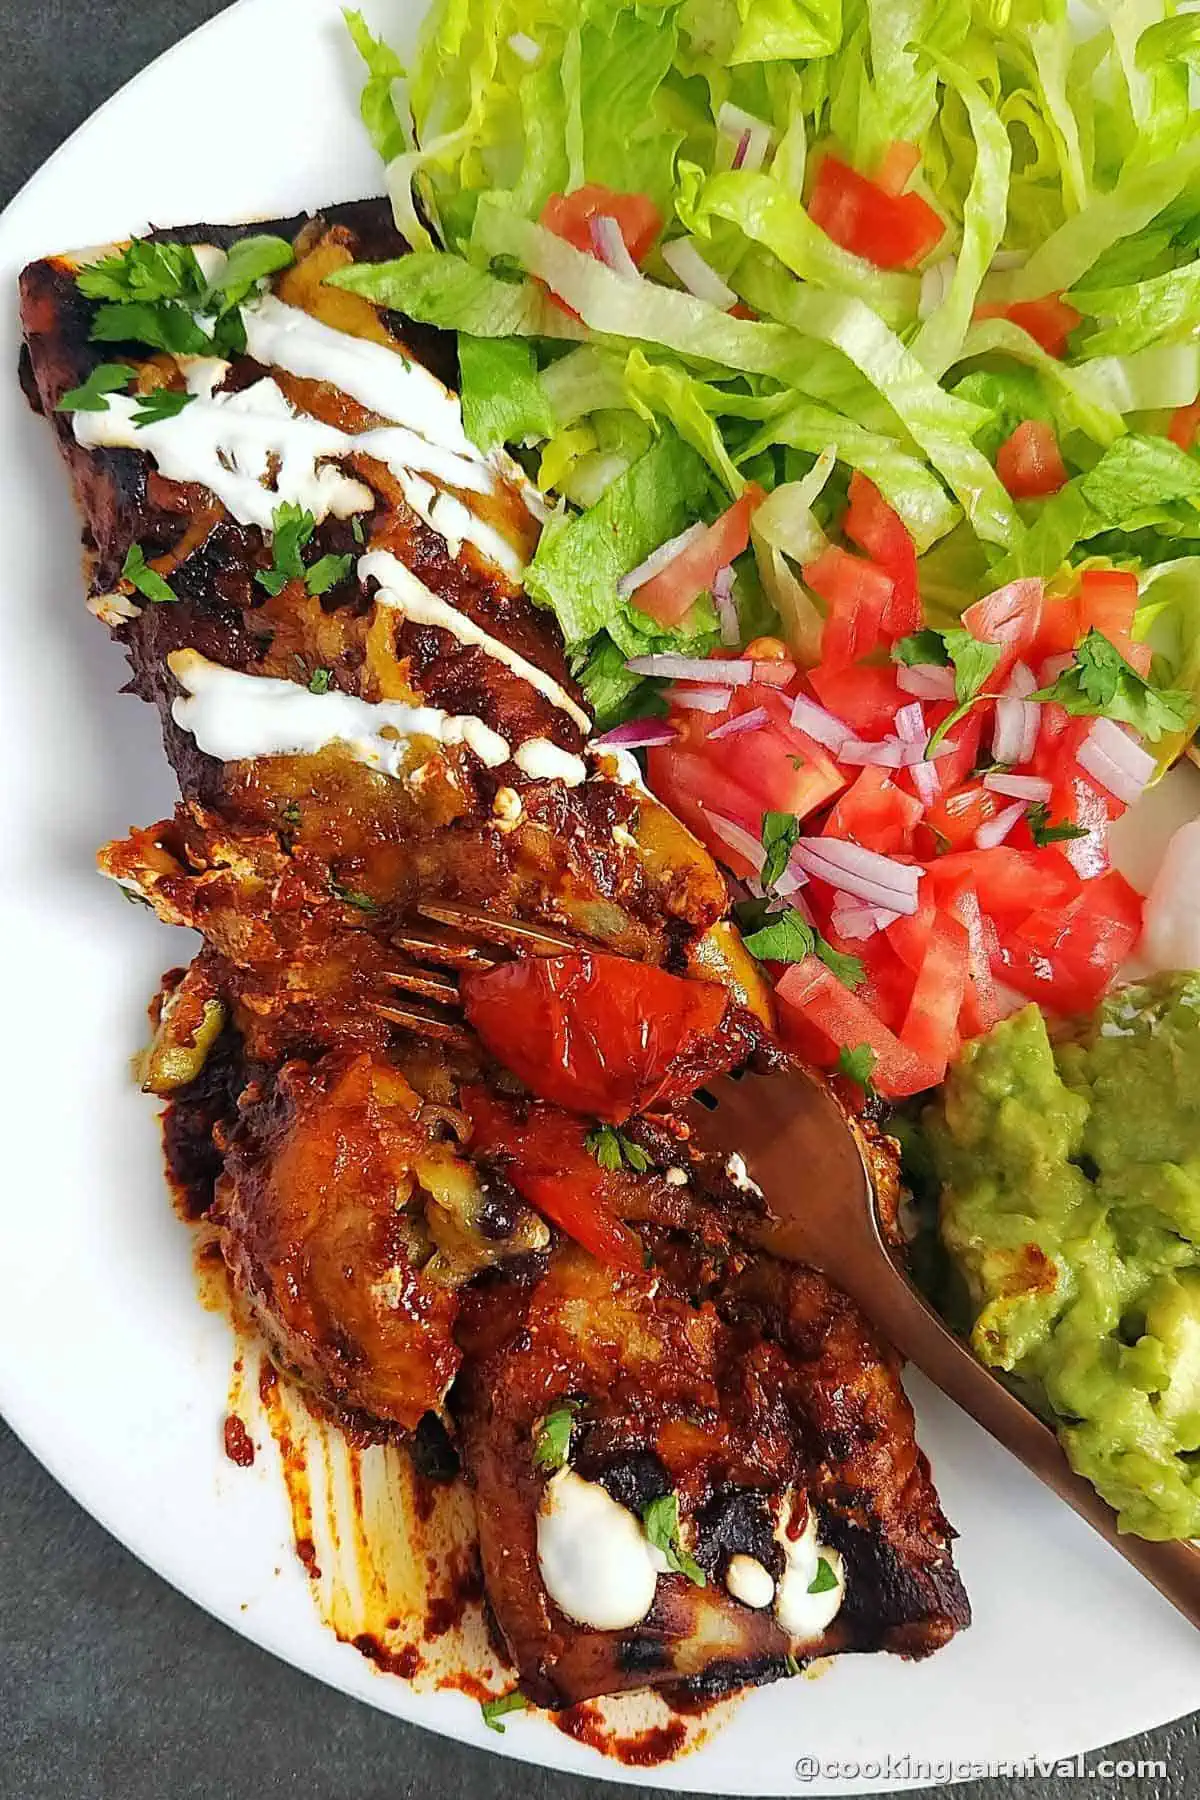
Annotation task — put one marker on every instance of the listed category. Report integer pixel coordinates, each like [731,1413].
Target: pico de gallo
[921,820]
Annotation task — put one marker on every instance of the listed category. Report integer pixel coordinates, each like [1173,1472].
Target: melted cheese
[234,717]
[748,1581]
[593,1555]
[401,589]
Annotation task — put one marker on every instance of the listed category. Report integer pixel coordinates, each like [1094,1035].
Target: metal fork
[810,1164]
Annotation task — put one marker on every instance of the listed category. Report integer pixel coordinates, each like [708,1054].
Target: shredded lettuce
[503,399]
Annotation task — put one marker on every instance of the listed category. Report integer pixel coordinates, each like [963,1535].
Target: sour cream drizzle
[593,1555]
[401,589]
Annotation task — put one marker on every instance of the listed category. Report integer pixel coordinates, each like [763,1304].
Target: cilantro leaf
[145,272]
[661,1521]
[783,937]
[787,937]
[320,680]
[613,1150]
[354,897]
[552,1441]
[848,969]
[327,572]
[973,661]
[356,526]
[825,1579]
[791,1665]
[249,260]
[292,527]
[921,647]
[1043,832]
[494,1710]
[165,326]
[160,403]
[229,335]
[105,379]
[779,832]
[858,1065]
[1101,684]
[145,579]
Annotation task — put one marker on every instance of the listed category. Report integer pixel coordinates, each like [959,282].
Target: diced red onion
[747,721]
[1022,682]
[865,874]
[700,699]
[658,560]
[815,722]
[752,136]
[789,884]
[686,263]
[611,247]
[910,725]
[527,48]
[994,831]
[927,781]
[851,919]
[723,600]
[710,670]
[637,734]
[738,839]
[860,752]
[1019,787]
[1115,761]
[927,681]
[1012,738]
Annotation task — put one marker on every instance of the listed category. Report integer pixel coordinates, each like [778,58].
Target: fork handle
[922,1339]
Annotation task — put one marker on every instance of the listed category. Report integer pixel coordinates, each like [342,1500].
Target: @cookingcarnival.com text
[938,1770]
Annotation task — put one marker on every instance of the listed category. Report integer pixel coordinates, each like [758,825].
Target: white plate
[109,1369]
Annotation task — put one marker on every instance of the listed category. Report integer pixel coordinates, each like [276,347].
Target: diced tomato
[1064,957]
[570,216]
[856,593]
[1108,601]
[1011,617]
[1076,800]
[783,771]
[595,1033]
[1049,321]
[1059,631]
[897,166]
[893,231]
[829,1011]
[872,524]
[866,697]
[1010,883]
[548,1162]
[1185,423]
[981,1002]
[875,813]
[957,815]
[694,787]
[930,1029]
[675,589]
[1029,463]
[909,935]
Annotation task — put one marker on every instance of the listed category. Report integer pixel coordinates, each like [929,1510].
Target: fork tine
[453,952]
[424,1024]
[425,982]
[512,933]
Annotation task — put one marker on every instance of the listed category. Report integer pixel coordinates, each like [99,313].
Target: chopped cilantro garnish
[248,261]
[1043,832]
[354,897]
[293,526]
[613,1150]
[552,1441]
[105,379]
[824,1580]
[145,579]
[1101,684]
[661,1521]
[973,662]
[921,647]
[161,403]
[166,326]
[319,681]
[145,272]
[494,1710]
[157,294]
[357,527]
[787,937]
[779,832]
[858,1065]
[327,572]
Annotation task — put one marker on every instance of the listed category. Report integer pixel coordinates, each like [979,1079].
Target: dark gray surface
[112,1687]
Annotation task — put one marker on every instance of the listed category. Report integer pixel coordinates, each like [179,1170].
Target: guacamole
[1069,1176]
